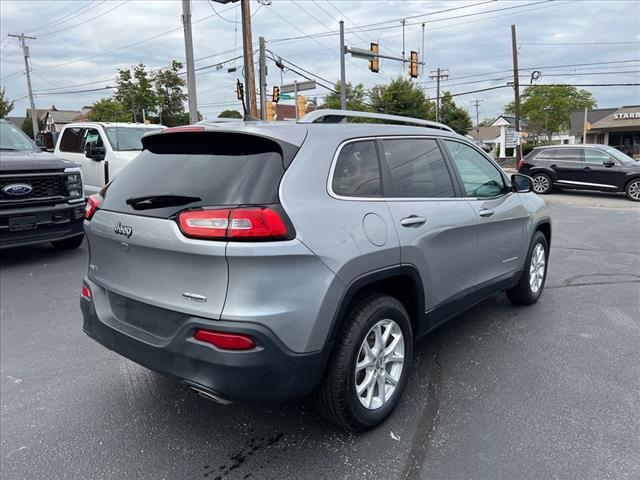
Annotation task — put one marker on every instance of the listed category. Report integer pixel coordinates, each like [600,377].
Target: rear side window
[418,169]
[561,154]
[198,170]
[357,172]
[70,141]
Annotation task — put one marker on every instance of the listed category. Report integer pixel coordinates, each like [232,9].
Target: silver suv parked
[262,261]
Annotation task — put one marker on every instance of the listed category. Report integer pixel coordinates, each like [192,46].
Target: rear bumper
[47,223]
[270,372]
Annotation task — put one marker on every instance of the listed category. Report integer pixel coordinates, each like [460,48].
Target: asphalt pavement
[501,392]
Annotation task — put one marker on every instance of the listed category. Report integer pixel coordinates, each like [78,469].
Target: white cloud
[465,45]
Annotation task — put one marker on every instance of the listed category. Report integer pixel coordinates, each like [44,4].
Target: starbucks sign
[626,115]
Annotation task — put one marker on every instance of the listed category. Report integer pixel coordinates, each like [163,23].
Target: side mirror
[94,152]
[608,163]
[521,183]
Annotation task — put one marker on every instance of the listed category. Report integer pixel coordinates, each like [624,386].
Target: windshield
[123,139]
[12,138]
[618,155]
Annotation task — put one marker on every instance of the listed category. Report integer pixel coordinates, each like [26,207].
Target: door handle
[554,166]
[485,212]
[587,168]
[412,220]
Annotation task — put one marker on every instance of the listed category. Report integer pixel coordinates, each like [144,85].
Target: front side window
[70,141]
[357,173]
[480,178]
[91,135]
[591,155]
[418,169]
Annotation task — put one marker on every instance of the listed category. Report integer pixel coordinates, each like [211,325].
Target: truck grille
[43,186]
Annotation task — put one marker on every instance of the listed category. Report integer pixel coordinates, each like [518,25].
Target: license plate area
[19,224]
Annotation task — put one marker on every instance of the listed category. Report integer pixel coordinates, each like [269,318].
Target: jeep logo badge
[16,189]
[124,230]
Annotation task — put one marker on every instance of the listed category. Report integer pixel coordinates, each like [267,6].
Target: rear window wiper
[145,202]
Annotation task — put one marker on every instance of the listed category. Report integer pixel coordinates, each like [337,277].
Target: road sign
[285,97]
[291,87]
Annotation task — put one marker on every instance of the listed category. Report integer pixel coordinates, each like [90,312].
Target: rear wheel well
[545,228]
[402,287]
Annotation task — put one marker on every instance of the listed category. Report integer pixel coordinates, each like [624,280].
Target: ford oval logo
[17,189]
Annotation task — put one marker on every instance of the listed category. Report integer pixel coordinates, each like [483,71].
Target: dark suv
[41,196]
[589,167]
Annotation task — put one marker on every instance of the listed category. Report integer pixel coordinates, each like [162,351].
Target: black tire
[336,396]
[68,243]
[522,293]
[632,190]
[542,183]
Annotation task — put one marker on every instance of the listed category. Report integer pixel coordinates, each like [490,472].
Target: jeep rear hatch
[145,237]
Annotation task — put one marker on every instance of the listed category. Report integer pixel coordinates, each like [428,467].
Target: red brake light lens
[224,340]
[249,223]
[85,293]
[520,164]
[93,203]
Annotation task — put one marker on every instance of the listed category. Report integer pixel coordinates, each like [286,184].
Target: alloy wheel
[379,364]
[634,190]
[537,268]
[540,184]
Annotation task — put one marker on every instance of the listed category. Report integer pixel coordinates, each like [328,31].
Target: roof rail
[338,116]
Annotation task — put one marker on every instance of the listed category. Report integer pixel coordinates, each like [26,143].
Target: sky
[80,44]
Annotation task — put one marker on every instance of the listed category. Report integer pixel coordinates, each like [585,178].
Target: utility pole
[249,76]
[476,104]
[516,89]
[439,73]
[343,85]
[262,70]
[295,89]
[25,52]
[191,74]
[422,52]
[403,22]
[584,126]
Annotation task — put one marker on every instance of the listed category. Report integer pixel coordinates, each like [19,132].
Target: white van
[101,148]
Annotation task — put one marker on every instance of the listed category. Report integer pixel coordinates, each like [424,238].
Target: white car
[101,148]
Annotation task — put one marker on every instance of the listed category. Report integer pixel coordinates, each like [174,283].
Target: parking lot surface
[546,391]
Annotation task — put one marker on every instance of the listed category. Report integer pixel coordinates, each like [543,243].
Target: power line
[579,43]
[84,22]
[69,16]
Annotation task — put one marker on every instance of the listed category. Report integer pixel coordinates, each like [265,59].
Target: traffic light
[413,65]
[302,106]
[240,90]
[270,111]
[275,96]
[374,63]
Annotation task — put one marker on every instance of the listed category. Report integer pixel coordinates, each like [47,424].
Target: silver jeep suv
[264,261]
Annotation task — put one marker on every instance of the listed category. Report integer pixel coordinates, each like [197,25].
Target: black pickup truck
[41,196]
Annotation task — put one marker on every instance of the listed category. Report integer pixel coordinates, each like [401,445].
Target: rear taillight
[520,165]
[225,340]
[93,203]
[85,293]
[246,223]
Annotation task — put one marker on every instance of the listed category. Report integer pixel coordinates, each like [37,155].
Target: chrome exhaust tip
[210,396]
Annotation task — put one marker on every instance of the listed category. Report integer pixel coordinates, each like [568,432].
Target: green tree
[487,122]
[356,98]
[454,116]
[6,105]
[170,95]
[230,114]
[109,110]
[27,126]
[135,91]
[402,97]
[547,108]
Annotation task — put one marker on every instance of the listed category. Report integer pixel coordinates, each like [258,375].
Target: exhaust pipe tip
[210,396]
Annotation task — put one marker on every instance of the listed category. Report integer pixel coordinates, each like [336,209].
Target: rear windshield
[213,172]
